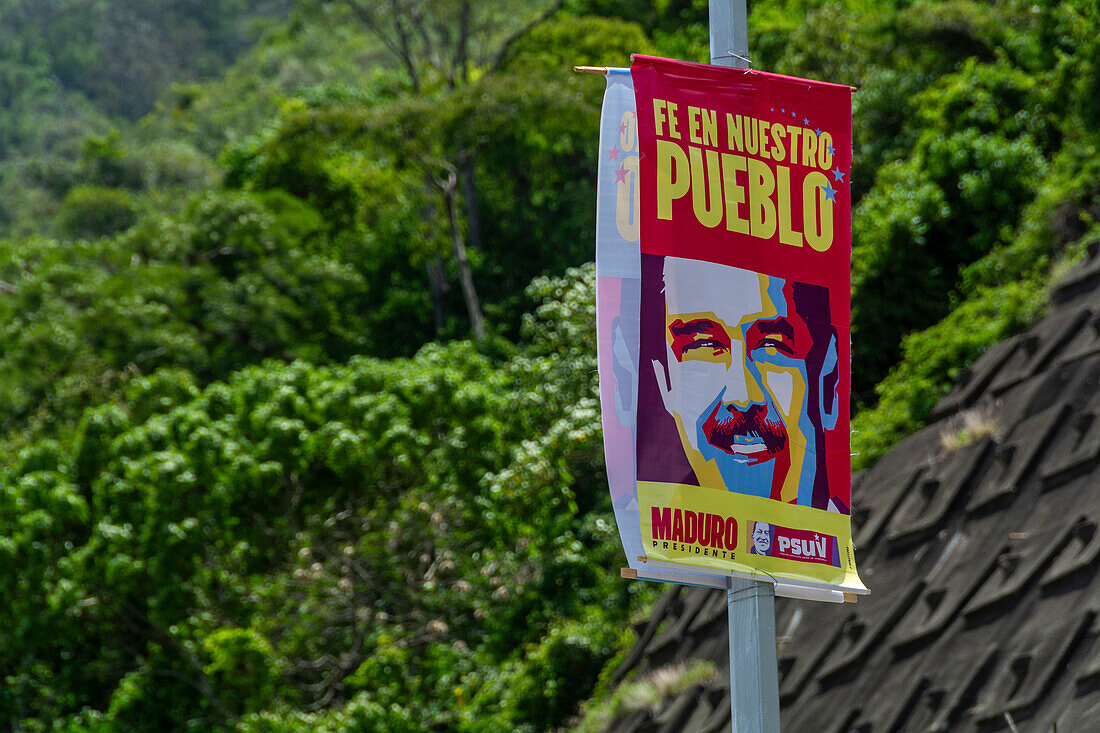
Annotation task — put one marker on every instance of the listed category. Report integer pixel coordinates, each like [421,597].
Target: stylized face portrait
[761,538]
[749,378]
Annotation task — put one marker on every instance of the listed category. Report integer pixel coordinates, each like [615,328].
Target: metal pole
[729,33]
[754,672]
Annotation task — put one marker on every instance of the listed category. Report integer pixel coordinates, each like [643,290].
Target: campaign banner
[737,356]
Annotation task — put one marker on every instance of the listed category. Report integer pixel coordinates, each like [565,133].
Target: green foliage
[651,691]
[553,48]
[122,54]
[539,687]
[230,553]
[296,60]
[88,211]
[953,200]
[345,503]
[234,279]
[47,194]
[243,667]
[1000,294]
[105,162]
[932,357]
[1000,286]
[364,166]
[64,75]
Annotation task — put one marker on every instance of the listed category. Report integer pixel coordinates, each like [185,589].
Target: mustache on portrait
[726,423]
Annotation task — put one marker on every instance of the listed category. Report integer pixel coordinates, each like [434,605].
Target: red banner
[746,168]
[744,375]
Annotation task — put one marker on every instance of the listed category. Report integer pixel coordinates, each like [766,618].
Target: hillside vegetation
[298,397]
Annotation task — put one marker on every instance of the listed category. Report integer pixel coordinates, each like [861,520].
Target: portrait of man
[745,367]
[761,538]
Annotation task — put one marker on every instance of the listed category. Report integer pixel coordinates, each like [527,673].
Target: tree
[379,172]
[401,535]
[448,37]
[451,38]
[234,279]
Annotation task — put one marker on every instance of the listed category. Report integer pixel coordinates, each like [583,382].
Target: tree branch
[141,623]
[429,47]
[399,47]
[460,63]
[505,47]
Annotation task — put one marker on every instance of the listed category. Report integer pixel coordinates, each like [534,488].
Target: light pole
[750,604]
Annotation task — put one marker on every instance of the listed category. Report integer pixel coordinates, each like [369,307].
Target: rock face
[978,537]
